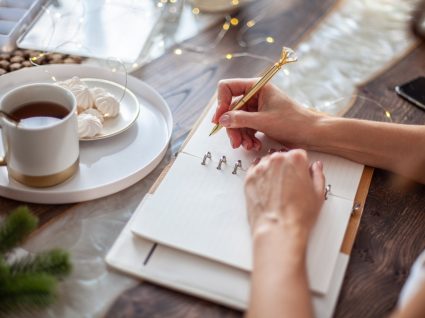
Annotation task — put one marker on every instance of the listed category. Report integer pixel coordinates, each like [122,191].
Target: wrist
[324,133]
[280,238]
[315,126]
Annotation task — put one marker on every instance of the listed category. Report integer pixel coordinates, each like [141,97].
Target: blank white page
[201,210]
[343,175]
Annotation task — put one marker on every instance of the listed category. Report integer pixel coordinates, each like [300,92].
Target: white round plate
[106,166]
[129,108]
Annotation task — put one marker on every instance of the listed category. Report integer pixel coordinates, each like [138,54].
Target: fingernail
[319,164]
[256,160]
[225,121]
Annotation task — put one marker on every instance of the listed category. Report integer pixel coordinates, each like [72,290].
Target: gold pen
[287,56]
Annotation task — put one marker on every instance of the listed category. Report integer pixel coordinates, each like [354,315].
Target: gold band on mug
[45,181]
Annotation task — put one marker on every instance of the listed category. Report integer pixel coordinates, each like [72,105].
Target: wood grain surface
[392,230]
[390,237]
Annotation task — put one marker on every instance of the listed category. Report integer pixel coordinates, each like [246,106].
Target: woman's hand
[283,189]
[284,195]
[270,111]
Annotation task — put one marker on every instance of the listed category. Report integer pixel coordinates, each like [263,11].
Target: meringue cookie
[95,112]
[83,96]
[108,105]
[69,83]
[98,92]
[88,125]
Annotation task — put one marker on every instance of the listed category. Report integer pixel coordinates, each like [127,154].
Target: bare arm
[279,286]
[283,196]
[394,147]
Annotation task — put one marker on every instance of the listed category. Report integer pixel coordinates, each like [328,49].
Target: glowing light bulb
[235,2]
[226,26]
[135,65]
[178,52]
[234,21]
[388,114]
[250,23]
[196,11]
[269,39]
[229,56]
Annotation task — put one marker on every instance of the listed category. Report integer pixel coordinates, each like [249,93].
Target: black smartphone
[413,91]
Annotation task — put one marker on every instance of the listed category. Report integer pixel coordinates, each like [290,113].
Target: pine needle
[55,263]
[15,228]
[26,292]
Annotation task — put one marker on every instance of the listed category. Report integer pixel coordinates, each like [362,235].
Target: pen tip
[214,130]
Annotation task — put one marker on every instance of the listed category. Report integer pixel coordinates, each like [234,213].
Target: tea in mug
[39,114]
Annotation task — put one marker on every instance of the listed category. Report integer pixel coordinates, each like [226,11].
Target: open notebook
[201,210]
[200,276]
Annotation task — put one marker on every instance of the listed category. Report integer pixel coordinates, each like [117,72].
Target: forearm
[279,280]
[394,147]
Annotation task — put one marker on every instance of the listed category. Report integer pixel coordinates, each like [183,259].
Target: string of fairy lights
[229,23]
[243,27]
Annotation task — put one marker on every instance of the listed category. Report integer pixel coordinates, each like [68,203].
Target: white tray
[15,15]
[106,166]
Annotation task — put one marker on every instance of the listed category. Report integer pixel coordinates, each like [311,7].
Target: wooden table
[392,230]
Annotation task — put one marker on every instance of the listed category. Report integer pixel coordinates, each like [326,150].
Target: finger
[298,157]
[235,137]
[262,166]
[247,141]
[256,143]
[227,89]
[242,119]
[318,178]
[256,162]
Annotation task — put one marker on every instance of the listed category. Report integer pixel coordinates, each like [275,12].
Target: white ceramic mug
[40,156]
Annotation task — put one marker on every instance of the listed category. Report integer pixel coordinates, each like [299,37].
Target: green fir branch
[29,283]
[4,270]
[27,292]
[55,262]
[15,228]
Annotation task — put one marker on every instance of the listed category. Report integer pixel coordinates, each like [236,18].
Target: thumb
[241,119]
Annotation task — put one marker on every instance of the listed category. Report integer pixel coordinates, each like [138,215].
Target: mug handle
[2,158]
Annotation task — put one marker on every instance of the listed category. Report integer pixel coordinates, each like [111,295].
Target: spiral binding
[238,165]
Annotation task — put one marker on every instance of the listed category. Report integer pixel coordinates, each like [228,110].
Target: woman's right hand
[270,111]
